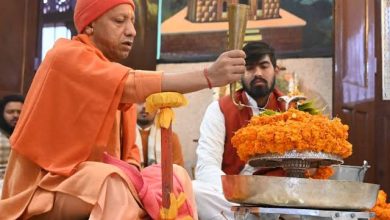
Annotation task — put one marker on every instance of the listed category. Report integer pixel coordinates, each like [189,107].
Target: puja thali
[316,159]
[299,192]
[295,163]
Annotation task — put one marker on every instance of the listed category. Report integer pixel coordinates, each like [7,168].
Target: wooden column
[18,37]
[357,86]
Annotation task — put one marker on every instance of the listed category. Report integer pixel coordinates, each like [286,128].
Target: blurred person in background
[148,139]
[10,108]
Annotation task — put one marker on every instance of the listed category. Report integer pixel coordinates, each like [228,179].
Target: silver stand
[267,213]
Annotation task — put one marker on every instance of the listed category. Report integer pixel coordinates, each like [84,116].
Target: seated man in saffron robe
[79,106]
[215,153]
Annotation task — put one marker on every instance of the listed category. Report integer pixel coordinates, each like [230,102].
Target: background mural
[196,30]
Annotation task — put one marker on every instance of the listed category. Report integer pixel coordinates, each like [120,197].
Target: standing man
[148,139]
[61,164]
[216,155]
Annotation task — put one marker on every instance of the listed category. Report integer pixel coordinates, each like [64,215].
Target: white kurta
[207,184]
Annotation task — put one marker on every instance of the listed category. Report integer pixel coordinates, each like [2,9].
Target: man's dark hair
[258,50]
[9,98]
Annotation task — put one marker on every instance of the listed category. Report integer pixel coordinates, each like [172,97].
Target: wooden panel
[358,98]
[30,45]
[358,122]
[346,116]
[11,47]
[364,147]
[18,28]
[354,79]
[353,35]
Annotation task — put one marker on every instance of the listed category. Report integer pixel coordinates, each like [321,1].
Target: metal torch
[237,16]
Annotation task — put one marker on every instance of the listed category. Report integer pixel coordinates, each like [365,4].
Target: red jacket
[234,120]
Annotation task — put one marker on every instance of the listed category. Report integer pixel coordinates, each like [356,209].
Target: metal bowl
[299,192]
[350,173]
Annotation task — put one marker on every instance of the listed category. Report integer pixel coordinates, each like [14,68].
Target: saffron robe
[69,120]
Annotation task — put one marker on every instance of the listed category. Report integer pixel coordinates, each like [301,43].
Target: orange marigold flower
[381,208]
[292,130]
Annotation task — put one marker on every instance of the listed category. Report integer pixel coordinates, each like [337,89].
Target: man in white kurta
[207,184]
[216,156]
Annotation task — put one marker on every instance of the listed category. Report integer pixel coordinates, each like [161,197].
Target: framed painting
[196,30]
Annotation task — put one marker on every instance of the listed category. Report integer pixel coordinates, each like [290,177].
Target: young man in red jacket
[216,155]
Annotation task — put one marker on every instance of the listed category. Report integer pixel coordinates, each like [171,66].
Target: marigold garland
[292,130]
[381,208]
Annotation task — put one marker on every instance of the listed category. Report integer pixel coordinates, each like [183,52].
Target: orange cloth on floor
[69,119]
[176,146]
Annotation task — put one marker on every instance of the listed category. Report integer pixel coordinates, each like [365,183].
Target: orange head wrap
[87,11]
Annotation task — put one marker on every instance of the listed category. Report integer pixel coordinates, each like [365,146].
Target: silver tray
[315,159]
[299,192]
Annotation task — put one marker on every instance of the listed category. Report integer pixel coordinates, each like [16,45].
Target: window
[52,32]
[57,6]
[56,21]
